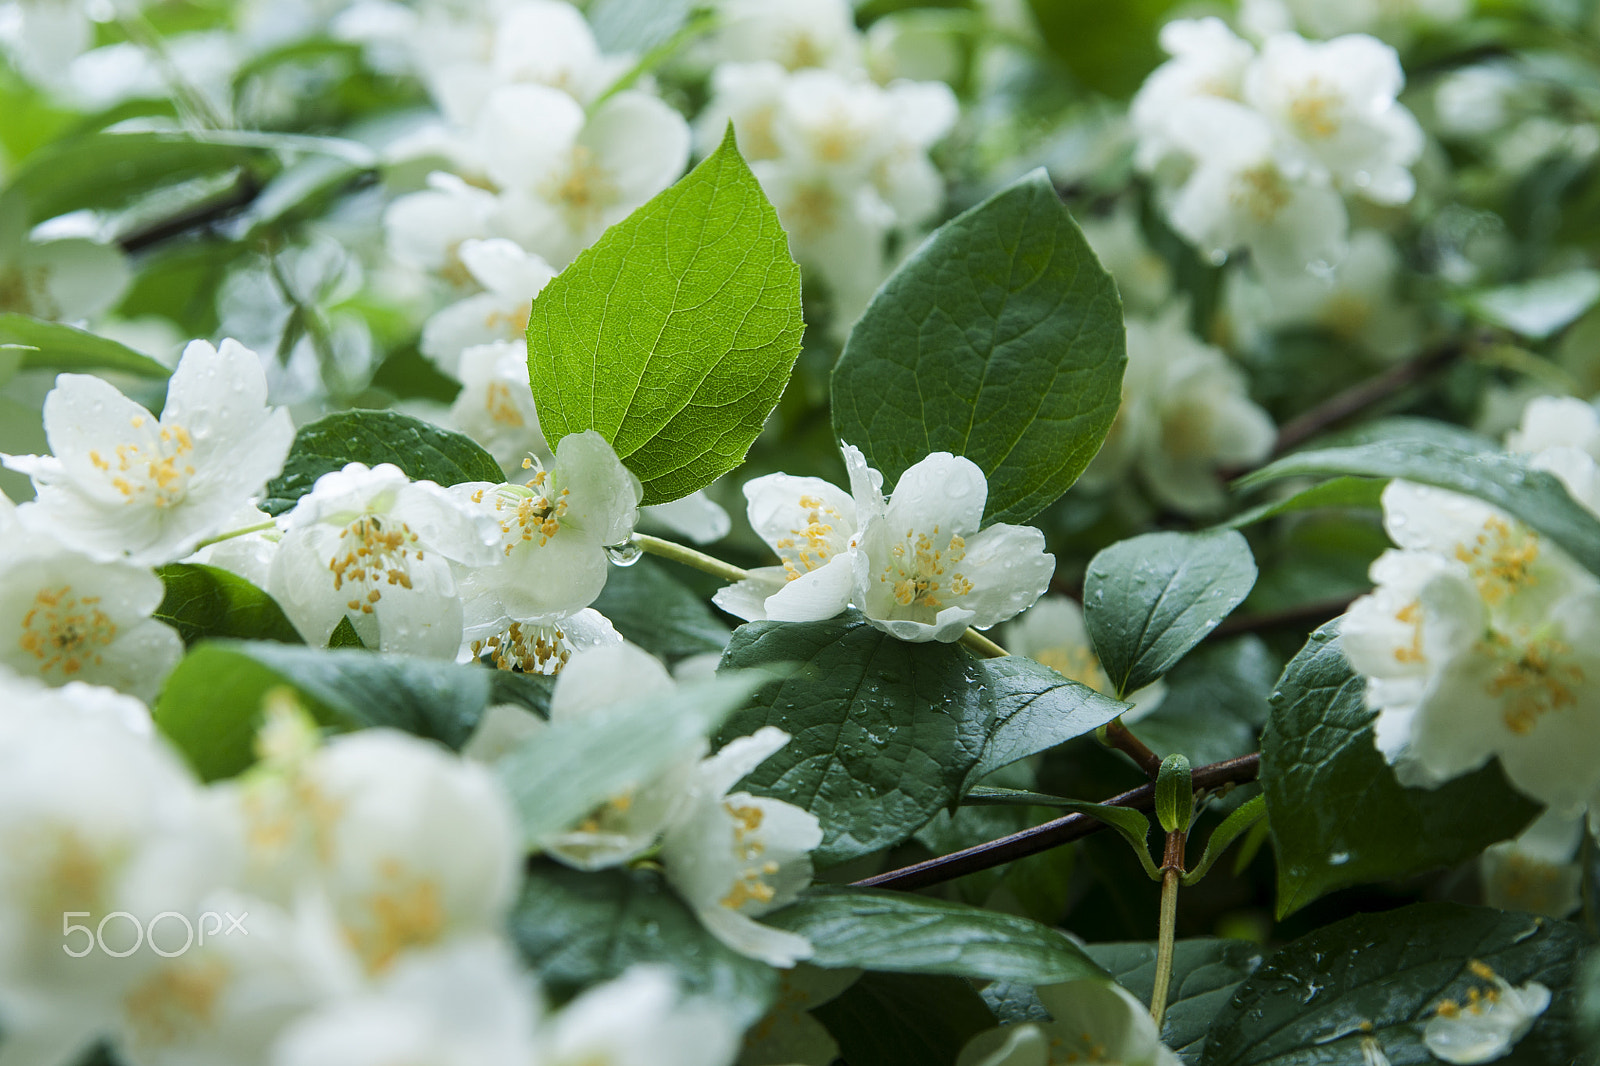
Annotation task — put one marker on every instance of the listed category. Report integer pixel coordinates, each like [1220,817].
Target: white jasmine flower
[639,1018]
[20,694]
[1246,191]
[921,114]
[924,568]
[545,647]
[93,820]
[552,535]
[1475,100]
[1489,1024]
[1335,100]
[812,526]
[1538,871]
[469,1002]
[750,95]
[1144,280]
[1052,633]
[46,35]
[792,33]
[66,280]
[1186,415]
[566,177]
[627,824]
[1357,301]
[65,617]
[427,228]
[736,857]
[122,484]
[512,278]
[1556,422]
[374,547]
[495,405]
[1208,60]
[1094,1023]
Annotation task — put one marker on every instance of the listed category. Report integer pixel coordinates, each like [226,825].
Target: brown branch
[1362,395]
[1051,834]
[235,198]
[1118,736]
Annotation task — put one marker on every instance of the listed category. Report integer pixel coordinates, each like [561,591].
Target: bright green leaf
[999,339]
[675,333]
[1148,600]
[421,449]
[578,929]
[1338,815]
[906,933]
[45,345]
[1380,977]
[205,601]
[1506,481]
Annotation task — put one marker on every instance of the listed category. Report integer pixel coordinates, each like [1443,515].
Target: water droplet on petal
[624,554]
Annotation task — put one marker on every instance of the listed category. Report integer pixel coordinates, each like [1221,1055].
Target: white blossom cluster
[843,158]
[1257,149]
[342,902]
[1480,638]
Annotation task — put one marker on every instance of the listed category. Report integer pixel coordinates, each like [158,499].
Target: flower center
[917,569]
[1531,682]
[374,548]
[499,404]
[176,1001]
[406,913]
[533,649]
[751,885]
[1501,558]
[1262,191]
[66,632]
[528,511]
[585,189]
[808,547]
[1315,112]
[812,209]
[157,470]
[1411,615]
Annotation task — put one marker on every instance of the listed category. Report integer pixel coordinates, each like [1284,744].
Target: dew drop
[624,554]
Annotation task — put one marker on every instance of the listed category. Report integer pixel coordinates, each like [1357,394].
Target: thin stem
[1118,736]
[220,537]
[1168,933]
[1051,834]
[1310,614]
[679,553]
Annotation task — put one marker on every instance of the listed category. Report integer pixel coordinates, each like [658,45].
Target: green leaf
[1358,492]
[1204,974]
[1031,708]
[675,333]
[45,345]
[563,772]
[1216,701]
[1174,794]
[1148,600]
[578,929]
[999,339]
[1505,481]
[637,25]
[1108,47]
[661,614]
[1240,820]
[1131,825]
[896,1019]
[1338,815]
[204,601]
[424,451]
[344,635]
[1380,977]
[1539,308]
[896,931]
[211,705]
[884,731]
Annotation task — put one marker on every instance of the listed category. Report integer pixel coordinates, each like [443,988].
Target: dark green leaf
[1240,820]
[565,771]
[1338,815]
[999,339]
[1541,307]
[344,635]
[1031,708]
[1108,47]
[1359,492]
[421,449]
[1148,600]
[579,929]
[1505,481]
[916,934]
[656,611]
[211,705]
[905,1019]
[675,333]
[1380,978]
[1216,702]
[204,601]
[885,732]
[53,346]
[1204,975]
